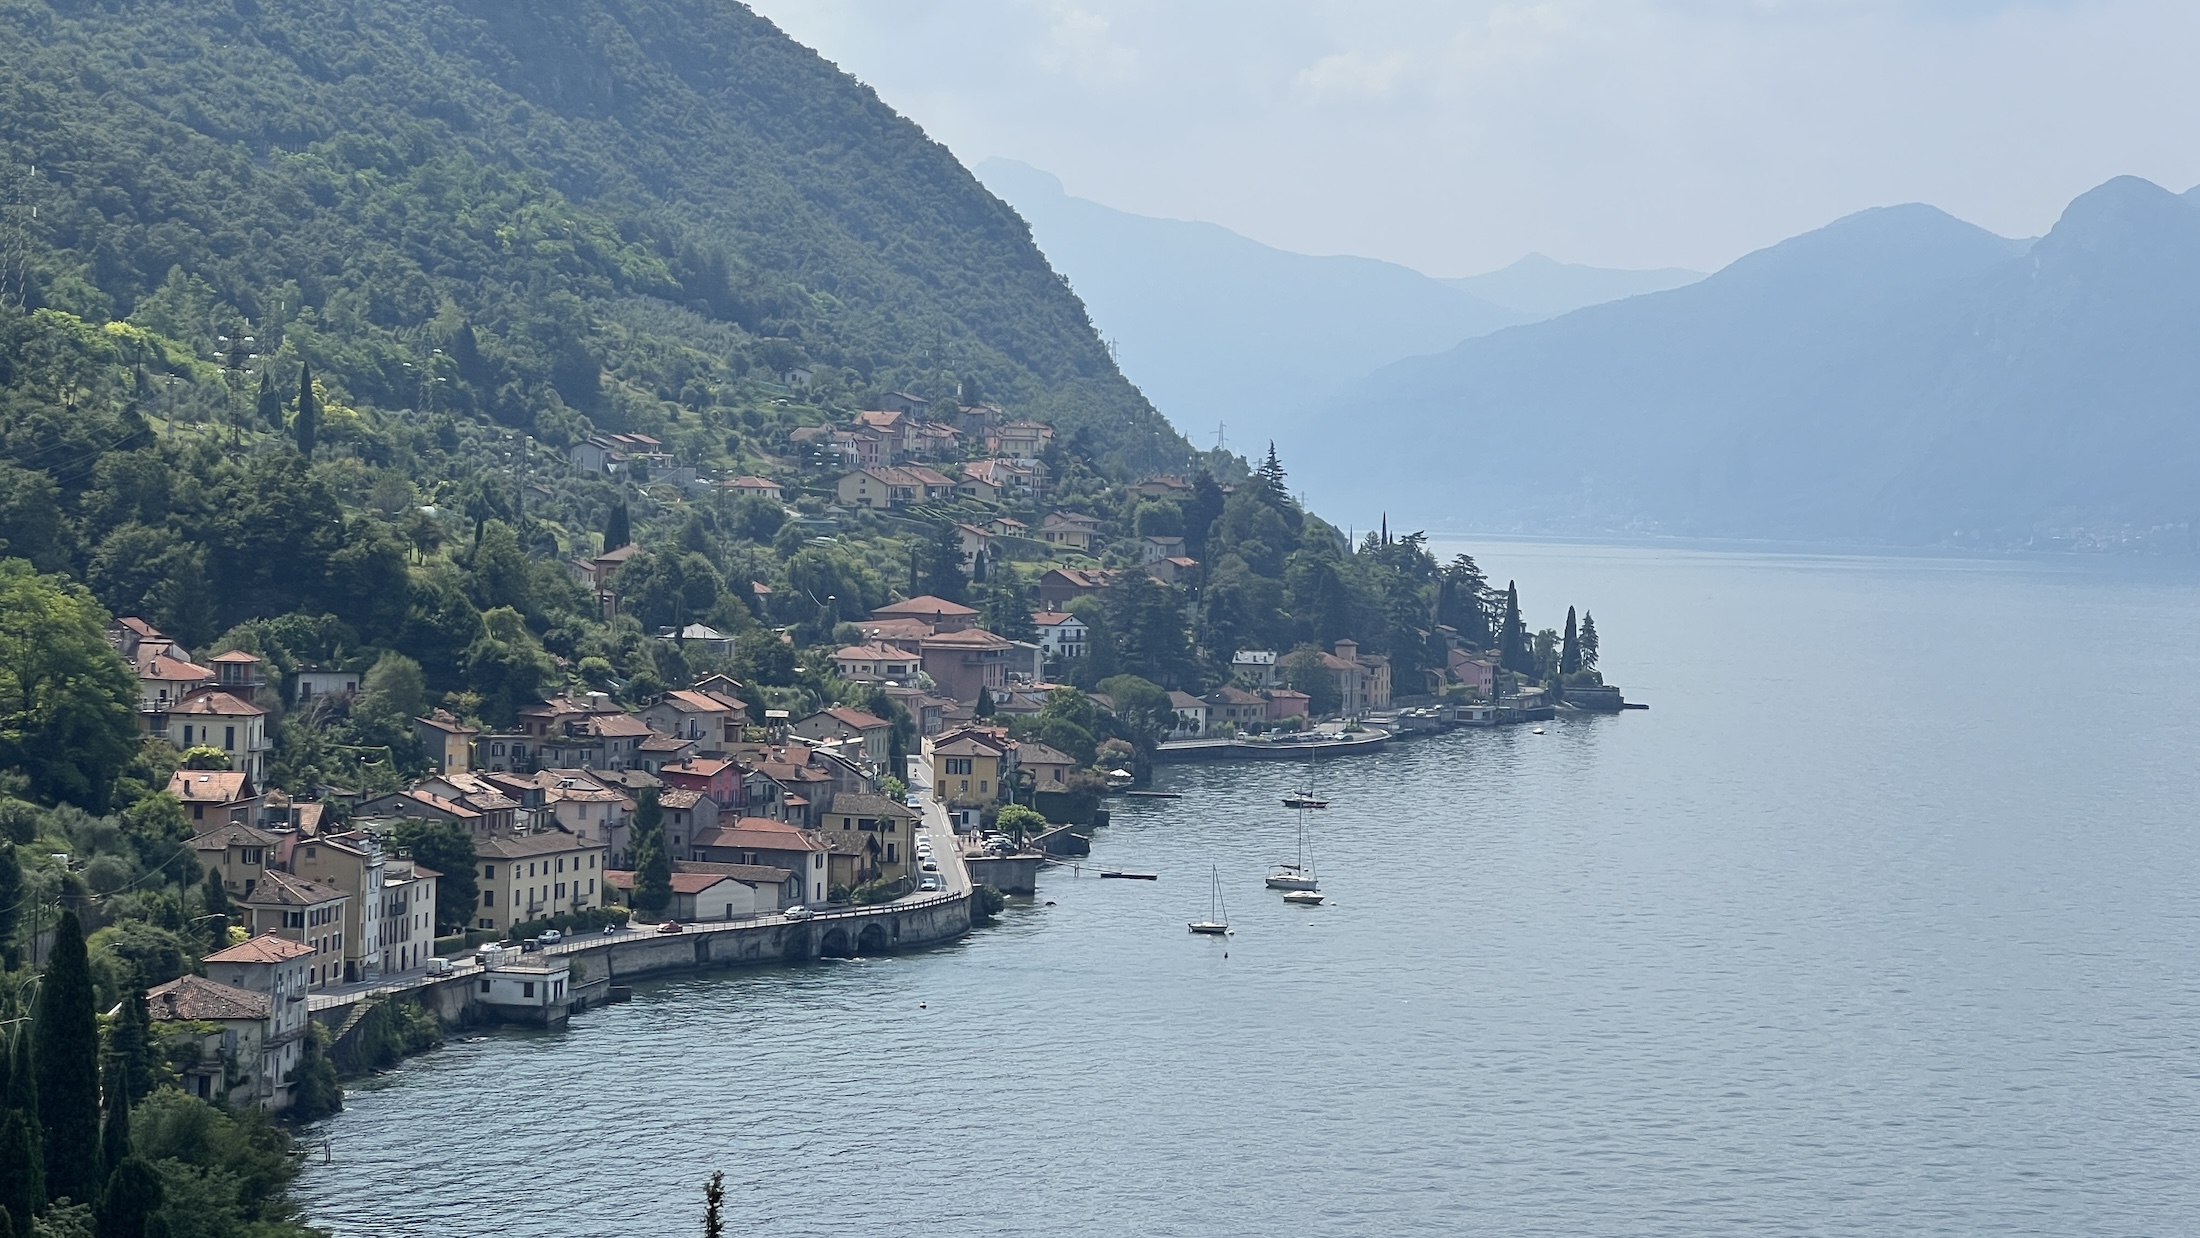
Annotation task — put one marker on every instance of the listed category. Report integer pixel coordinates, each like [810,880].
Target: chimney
[1348,649]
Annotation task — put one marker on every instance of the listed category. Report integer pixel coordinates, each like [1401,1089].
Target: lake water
[1880,921]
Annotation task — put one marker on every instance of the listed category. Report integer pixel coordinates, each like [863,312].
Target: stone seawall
[602,963]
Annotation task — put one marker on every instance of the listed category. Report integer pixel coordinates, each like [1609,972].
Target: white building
[1061,634]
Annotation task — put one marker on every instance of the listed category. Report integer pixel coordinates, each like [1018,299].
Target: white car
[929,884]
[797,912]
[929,866]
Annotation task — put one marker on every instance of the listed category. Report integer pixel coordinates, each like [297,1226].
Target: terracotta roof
[760,874]
[696,702]
[678,798]
[854,717]
[618,725]
[210,786]
[279,889]
[698,767]
[163,666]
[266,948]
[237,655]
[1185,700]
[758,834]
[1227,695]
[216,703]
[1031,752]
[196,997]
[139,626]
[967,744]
[448,725]
[920,607]
[1052,618]
[664,743]
[429,799]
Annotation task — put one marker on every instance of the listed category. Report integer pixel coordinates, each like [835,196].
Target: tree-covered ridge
[610,211]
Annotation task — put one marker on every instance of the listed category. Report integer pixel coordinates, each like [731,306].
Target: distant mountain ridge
[1541,287]
[1216,327]
[1897,376]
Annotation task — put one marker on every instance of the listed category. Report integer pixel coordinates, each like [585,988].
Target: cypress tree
[218,912]
[1589,640]
[652,864]
[270,407]
[617,528]
[65,1055]
[984,707]
[1512,639]
[306,427]
[132,1197]
[114,1126]
[1569,653]
[130,1048]
[22,1180]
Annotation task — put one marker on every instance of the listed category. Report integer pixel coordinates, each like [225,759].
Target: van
[439,967]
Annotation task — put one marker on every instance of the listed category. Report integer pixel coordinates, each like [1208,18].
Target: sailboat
[1217,922]
[1298,875]
[1306,798]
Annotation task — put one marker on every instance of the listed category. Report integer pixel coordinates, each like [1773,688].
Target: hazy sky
[1456,135]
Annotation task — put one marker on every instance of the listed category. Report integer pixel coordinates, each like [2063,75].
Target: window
[526,988]
[488,870]
[983,789]
[958,765]
[561,863]
[890,853]
[561,889]
[591,885]
[187,735]
[485,979]
[229,738]
[488,898]
[486,923]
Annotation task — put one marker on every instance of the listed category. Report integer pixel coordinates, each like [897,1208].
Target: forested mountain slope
[596,208]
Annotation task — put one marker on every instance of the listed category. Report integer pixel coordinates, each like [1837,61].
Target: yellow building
[527,877]
[877,830]
[966,774]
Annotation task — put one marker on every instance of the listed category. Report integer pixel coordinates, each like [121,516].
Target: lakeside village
[614,827]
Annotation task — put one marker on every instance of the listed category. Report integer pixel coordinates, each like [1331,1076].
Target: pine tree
[1569,655]
[270,406]
[617,528]
[940,563]
[65,1053]
[1512,639]
[306,427]
[1589,640]
[984,707]
[132,1197]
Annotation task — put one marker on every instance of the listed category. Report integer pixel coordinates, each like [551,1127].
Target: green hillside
[604,215]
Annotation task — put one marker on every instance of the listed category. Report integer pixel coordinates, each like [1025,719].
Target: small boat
[1120,875]
[1303,800]
[1217,922]
[1304,898]
[1537,731]
[1121,780]
[1292,877]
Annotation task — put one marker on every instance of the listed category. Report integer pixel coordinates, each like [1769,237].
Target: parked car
[670,926]
[549,937]
[439,967]
[797,912]
[929,884]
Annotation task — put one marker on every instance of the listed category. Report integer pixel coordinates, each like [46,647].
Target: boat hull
[1208,928]
[1283,881]
[1303,898]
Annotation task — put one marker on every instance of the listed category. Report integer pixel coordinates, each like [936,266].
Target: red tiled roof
[196,786]
[920,607]
[196,997]
[266,948]
[216,703]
